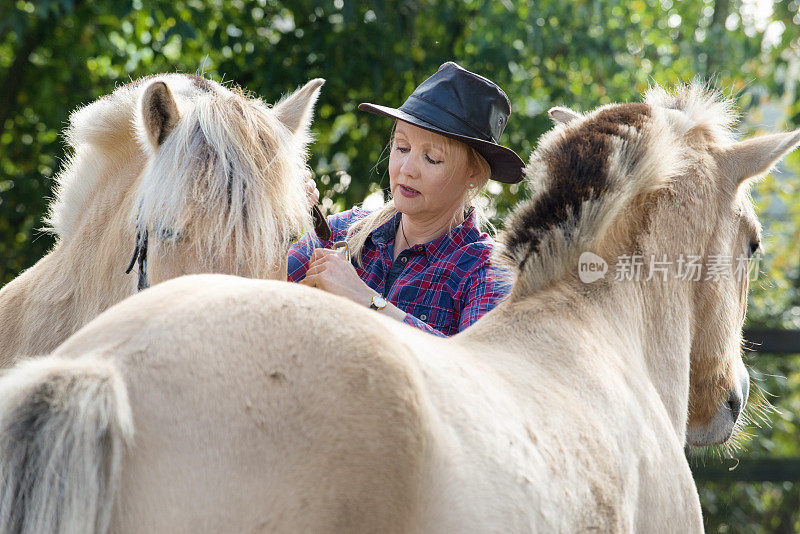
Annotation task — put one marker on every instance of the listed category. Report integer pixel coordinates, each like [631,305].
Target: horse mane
[228,179]
[593,180]
[101,136]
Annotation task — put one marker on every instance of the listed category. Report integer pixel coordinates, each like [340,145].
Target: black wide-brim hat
[464,106]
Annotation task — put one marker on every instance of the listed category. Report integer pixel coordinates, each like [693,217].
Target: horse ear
[561,115]
[295,110]
[754,157]
[159,113]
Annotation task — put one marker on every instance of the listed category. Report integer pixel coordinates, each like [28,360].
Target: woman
[422,258]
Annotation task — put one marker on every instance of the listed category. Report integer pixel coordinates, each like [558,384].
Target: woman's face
[426,181]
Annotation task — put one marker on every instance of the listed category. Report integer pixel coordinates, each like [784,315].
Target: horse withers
[191,175]
[214,403]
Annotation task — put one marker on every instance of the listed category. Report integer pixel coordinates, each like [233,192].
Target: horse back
[255,409]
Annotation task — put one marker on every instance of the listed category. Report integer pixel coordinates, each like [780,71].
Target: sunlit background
[58,54]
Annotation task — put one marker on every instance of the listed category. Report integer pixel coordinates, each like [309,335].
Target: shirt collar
[386,232]
[466,232]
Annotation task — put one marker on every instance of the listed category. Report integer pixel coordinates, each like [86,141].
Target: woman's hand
[329,270]
[312,193]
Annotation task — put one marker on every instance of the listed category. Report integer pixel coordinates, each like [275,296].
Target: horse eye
[167,235]
[754,246]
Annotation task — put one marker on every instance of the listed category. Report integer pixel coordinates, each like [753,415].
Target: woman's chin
[409,206]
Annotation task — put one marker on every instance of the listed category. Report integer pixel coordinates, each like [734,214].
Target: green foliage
[58,54]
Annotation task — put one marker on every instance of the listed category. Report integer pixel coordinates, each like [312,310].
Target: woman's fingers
[312,193]
[315,269]
[330,271]
[316,266]
[321,255]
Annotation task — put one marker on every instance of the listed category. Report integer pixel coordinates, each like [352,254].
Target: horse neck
[81,277]
[628,327]
[99,251]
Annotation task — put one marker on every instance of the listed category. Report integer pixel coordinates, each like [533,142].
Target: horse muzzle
[722,425]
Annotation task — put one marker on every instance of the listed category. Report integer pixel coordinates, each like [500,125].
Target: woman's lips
[408,191]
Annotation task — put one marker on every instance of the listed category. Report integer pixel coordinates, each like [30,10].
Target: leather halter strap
[140,252]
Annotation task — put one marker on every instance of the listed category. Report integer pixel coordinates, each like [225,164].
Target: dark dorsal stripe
[578,167]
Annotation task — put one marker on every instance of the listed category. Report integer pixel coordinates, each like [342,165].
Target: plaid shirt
[443,286]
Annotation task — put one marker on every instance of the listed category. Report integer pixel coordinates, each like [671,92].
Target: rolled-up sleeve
[422,325]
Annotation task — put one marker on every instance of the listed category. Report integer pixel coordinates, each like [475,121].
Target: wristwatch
[378,303]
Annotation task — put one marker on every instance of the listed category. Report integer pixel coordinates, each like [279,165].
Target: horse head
[713,215]
[219,183]
[192,175]
[222,190]
[661,183]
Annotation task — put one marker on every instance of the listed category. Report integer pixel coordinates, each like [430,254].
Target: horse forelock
[582,176]
[228,178]
[696,105]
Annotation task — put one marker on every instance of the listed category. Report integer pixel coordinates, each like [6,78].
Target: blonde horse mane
[228,179]
[100,134]
[593,179]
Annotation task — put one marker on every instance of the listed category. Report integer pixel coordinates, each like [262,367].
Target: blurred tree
[58,54]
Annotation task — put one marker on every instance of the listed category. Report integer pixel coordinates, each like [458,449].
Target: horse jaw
[295,110]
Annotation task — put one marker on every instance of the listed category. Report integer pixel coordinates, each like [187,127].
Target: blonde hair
[357,233]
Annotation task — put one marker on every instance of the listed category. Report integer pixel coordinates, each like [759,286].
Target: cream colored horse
[214,178]
[197,406]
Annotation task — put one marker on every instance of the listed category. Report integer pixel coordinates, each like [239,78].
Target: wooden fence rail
[749,470]
[773,341]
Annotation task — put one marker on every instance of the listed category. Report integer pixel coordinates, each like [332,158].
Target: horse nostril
[735,405]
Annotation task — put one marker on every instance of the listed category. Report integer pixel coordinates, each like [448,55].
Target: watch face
[378,303]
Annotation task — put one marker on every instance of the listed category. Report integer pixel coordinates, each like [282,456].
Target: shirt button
[403,259]
[423,317]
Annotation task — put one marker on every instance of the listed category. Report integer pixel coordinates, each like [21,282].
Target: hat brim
[506,165]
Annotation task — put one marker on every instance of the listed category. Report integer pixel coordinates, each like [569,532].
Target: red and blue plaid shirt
[443,286]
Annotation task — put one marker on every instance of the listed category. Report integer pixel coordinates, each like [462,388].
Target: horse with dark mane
[197,406]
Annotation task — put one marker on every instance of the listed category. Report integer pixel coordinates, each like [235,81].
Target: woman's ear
[474,177]
[478,170]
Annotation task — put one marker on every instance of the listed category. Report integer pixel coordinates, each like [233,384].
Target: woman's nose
[409,166]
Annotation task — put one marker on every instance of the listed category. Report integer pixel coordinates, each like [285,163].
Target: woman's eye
[431,160]
[402,149]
